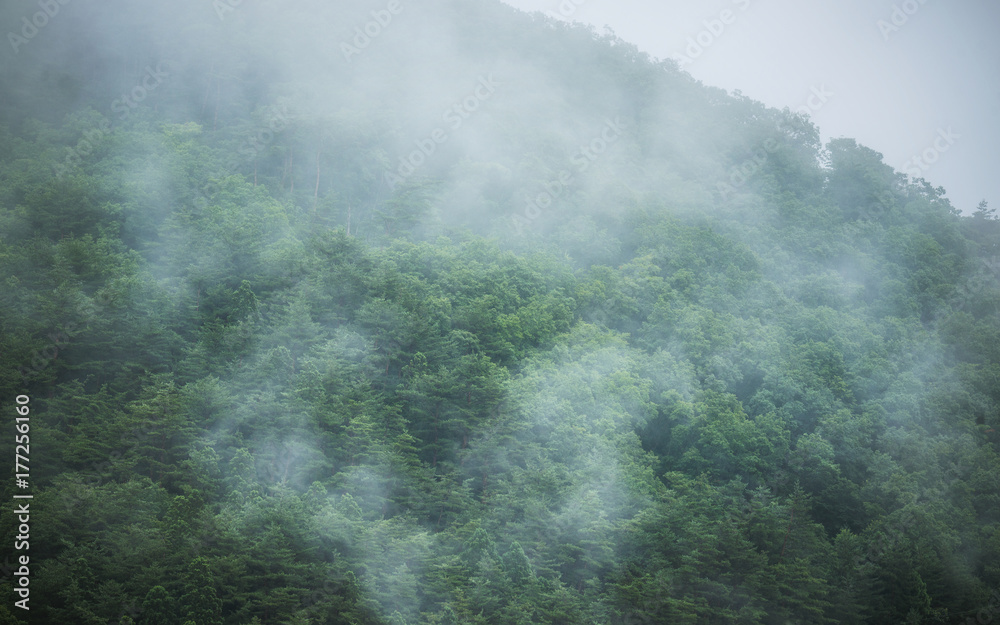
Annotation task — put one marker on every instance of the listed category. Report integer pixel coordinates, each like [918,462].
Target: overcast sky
[925,82]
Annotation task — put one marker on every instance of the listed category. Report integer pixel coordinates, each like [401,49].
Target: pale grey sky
[924,83]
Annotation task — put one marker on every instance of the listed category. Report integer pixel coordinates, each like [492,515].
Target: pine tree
[517,566]
[200,603]
[157,607]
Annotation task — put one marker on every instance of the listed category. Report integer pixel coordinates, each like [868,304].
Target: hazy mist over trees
[440,313]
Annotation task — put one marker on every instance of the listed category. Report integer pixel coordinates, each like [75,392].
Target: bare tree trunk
[319,151]
[349,207]
[435,460]
[218,95]
[208,89]
[785,542]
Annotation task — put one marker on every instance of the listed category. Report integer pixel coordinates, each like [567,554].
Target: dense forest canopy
[425,314]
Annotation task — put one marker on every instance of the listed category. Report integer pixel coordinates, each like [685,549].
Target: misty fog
[444,312]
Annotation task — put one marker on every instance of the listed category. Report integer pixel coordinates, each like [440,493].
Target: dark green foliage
[268,388]
[157,607]
[200,603]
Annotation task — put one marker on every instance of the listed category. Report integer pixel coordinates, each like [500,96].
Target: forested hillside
[477,318]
